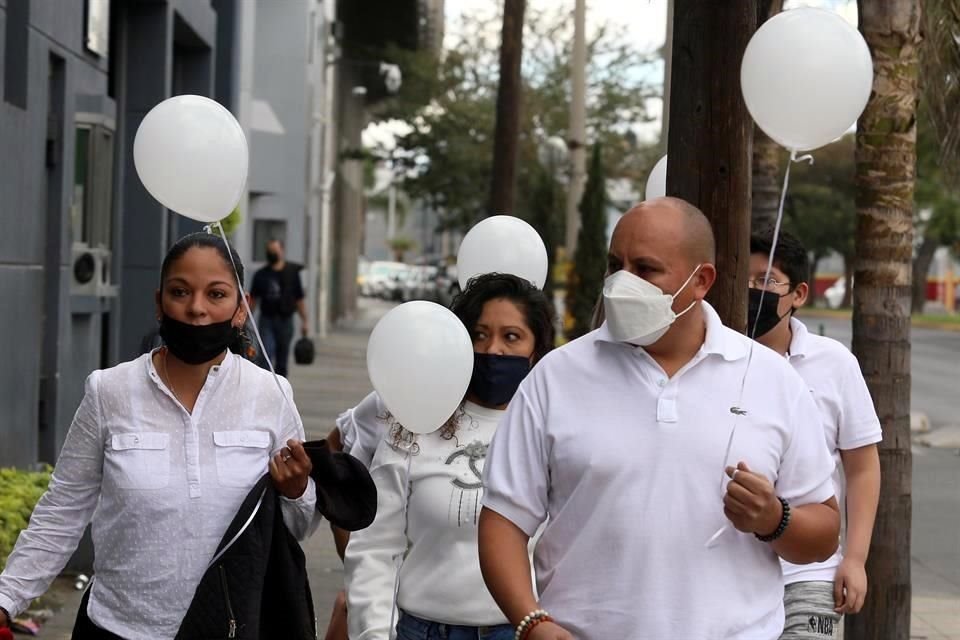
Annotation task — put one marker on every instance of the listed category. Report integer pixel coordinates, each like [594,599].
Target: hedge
[19,492]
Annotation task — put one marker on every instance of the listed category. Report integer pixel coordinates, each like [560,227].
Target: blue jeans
[277,334]
[413,628]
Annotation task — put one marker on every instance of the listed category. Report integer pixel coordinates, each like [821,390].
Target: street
[935,367]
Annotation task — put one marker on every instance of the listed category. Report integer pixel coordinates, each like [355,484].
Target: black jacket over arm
[256,588]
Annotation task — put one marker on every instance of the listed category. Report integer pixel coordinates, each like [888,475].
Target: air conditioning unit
[90,272]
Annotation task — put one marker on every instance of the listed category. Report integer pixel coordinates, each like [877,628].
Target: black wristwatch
[6,614]
[784,521]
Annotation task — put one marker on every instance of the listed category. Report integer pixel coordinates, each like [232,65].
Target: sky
[646,20]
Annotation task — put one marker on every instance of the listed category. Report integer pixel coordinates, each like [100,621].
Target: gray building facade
[82,241]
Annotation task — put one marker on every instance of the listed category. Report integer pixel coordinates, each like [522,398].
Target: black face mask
[769,314]
[196,344]
[496,378]
[273,257]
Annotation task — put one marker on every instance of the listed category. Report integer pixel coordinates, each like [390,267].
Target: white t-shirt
[362,428]
[847,416]
[629,466]
[440,577]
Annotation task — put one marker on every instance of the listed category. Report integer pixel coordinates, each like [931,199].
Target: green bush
[19,492]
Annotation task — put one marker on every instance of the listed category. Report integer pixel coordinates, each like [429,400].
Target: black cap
[346,494]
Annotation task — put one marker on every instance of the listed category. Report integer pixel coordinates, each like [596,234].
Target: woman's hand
[290,470]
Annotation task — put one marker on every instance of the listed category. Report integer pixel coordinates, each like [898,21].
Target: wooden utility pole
[711,134]
[886,163]
[509,102]
[667,66]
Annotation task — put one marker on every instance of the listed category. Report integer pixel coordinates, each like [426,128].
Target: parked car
[393,285]
[448,285]
[380,280]
[363,268]
[420,284]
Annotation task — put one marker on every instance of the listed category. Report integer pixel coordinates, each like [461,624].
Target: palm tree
[886,163]
[940,74]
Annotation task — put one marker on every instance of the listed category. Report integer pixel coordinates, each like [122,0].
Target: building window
[265,231]
[97,27]
[16,46]
[91,211]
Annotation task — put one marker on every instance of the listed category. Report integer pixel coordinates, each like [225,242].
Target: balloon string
[737,409]
[398,561]
[253,322]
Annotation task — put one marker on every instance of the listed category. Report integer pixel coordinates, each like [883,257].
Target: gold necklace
[166,374]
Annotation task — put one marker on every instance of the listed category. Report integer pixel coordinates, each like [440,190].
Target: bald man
[671,496]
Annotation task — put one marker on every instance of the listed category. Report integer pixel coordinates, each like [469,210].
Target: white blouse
[435,532]
[161,485]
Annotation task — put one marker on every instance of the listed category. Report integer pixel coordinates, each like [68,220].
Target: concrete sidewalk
[336,380]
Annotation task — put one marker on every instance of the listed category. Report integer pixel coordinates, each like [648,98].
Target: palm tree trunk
[766,152]
[506,133]
[886,165]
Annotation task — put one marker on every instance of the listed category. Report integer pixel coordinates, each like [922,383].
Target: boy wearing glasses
[817,595]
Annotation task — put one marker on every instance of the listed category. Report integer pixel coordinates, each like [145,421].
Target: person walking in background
[278,293]
[818,594]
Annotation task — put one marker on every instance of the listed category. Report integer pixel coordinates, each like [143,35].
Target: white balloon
[502,244]
[191,155]
[806,77]
[420,361]
[657,180]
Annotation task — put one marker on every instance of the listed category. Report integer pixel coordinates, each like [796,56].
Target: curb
[846,314]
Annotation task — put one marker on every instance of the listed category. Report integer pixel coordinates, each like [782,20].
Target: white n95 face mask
[637,311]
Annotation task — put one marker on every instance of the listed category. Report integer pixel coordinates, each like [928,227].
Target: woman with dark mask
[161,454]
[430,485]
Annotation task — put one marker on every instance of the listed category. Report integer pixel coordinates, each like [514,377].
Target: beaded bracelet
[529,621]
[784,521]
[533,624]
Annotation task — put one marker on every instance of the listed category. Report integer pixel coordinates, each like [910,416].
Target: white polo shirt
[847,416]
[628,464]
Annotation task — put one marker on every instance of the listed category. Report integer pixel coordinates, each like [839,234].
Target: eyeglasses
[765,283]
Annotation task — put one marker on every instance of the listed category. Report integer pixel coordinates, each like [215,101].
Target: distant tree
[447,148]
[590,260]
[821,208]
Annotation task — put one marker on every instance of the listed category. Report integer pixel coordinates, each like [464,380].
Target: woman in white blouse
[159,457]
[431,522]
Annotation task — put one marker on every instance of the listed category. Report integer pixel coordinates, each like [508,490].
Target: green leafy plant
[232,221]
[19,493]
